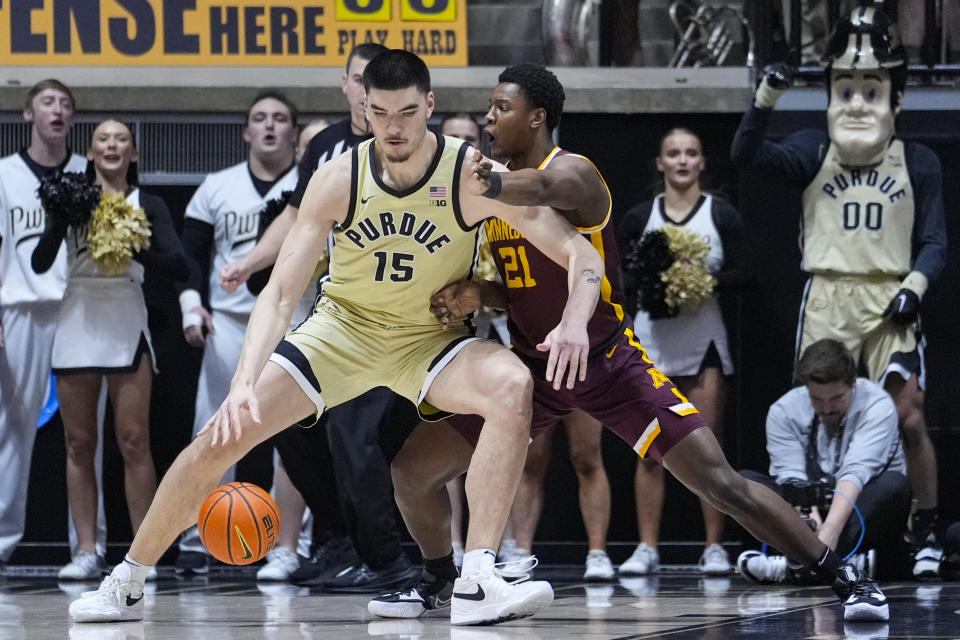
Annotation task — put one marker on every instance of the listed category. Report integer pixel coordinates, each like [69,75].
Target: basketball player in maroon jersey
[623,390]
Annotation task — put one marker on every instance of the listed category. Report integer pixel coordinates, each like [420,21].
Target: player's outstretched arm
[570,182]
[568,344]
[325,202]
[263,254]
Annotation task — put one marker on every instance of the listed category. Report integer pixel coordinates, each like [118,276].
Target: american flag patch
[438,192]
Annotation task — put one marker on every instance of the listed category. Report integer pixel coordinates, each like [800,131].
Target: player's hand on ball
[904,308]
[569,348]
[226,420]
[455,301]
[232,275]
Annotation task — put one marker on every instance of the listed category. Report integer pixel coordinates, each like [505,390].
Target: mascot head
[866,75]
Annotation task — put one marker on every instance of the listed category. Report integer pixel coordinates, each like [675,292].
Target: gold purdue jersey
[397,248]
[859,220]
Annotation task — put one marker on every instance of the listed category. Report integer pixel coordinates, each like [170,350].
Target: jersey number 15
[401,271]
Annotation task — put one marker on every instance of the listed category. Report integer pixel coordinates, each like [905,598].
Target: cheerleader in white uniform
[690,348]
[102,333]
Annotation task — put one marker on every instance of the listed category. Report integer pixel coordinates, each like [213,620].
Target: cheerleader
[102,332]
[691,348]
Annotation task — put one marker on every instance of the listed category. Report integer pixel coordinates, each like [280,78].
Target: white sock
[478,561]
[137,572]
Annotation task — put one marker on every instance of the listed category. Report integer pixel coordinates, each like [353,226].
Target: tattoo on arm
[591,276]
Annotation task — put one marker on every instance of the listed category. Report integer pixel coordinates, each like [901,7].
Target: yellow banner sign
[231,33]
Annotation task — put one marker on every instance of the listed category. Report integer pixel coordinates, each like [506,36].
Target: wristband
[766,96]
[192,320]
[189,300]
[496,186]
[916,282]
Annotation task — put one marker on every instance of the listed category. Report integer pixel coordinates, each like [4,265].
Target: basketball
[239,523]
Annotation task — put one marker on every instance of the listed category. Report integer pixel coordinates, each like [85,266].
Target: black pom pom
[273,208]
[68,198]
[650,256]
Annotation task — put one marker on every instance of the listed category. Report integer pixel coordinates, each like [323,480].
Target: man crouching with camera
[834,443]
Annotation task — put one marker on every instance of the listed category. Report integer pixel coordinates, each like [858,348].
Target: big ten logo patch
[269,531]
[382,10]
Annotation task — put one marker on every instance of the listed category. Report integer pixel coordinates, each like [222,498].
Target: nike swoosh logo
[439,603]
[479,595]
[133,601]
[364,200]
[243,543]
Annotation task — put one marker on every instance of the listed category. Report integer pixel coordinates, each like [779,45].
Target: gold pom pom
[688,280]
[116,231]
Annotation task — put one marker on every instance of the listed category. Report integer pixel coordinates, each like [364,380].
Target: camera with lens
[806,495]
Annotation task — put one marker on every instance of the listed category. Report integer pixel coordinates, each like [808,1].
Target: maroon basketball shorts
[624,391]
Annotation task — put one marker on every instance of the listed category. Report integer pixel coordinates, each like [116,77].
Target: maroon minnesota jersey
[537,286]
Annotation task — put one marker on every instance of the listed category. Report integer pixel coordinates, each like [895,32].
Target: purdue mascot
[872,227]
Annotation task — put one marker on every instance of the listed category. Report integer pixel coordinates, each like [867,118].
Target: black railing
[930,50]
[772,33]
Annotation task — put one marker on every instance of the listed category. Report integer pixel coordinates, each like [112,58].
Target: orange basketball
[239,523]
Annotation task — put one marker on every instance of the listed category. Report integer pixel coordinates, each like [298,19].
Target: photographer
[834,442]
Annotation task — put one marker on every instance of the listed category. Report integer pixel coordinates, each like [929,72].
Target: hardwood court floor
[676,604]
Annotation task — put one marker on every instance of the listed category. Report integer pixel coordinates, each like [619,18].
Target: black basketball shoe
[863,601]
[430,594]
[336,555]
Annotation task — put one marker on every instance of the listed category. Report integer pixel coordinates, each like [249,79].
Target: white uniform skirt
[99,326]
[678,345]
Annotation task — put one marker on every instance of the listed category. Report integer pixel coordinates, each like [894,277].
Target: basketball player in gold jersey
[406,225]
